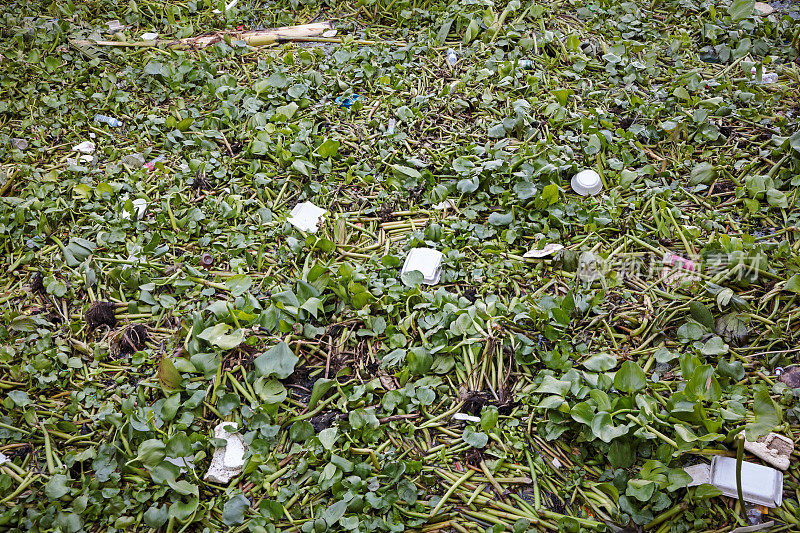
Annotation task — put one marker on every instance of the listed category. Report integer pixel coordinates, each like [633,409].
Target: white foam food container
[760,484]
[427,261]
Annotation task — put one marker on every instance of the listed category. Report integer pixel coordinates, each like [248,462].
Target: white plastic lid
[427,261]
[587,183]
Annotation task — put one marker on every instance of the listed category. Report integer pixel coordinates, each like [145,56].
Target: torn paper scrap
[306,216]
[548,249]
[775,449]
[228,461]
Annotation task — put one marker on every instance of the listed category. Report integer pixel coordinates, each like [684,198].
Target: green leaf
[328,149]
[600,362]
[714,346]
[234,509]
[271,391]
[741,9]
[702,314]
[402,170]
[238,284]
[489,417]
[301,431]
[476,439]
[582,412]
[793,284]
[551,385]
[630,377]
[151,452]
[217,335]
[156,516]
[321,387]
[168,376]
[768,415]
[550,194]
[327,437]
[641,489]
[278,360]
[56,487]
[334,513]
[604,429]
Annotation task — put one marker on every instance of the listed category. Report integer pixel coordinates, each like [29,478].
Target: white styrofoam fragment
[3,458]
[548,249]
[86,147]
[446,204]
[149,36]
[700,474]
[306,217]
[228,461]
[773,448]
[465,417]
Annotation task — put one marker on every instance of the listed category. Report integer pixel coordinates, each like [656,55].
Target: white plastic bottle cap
[587,183]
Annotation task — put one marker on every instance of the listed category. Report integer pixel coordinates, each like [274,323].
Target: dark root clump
[100,313]
[133,339]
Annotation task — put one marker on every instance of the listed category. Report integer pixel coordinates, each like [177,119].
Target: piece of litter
[678,269]
[19,144]
[329,33]
[465,417]
[86,147]
[548,249]
[228,461]
[556,463]
[3,458]
[760,484]
[151,165]
[114,26]
[346,102]
[139,207]
[790,376]
[767,78]
[763,9]
[451,57]
[306,217]
[773,448]
[447,204]
[149,36]
[587,183]
[105,119]
[700,474]
[751,529]
[183,464]
[426,261]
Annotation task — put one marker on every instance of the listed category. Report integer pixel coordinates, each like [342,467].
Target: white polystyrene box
[760,484]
